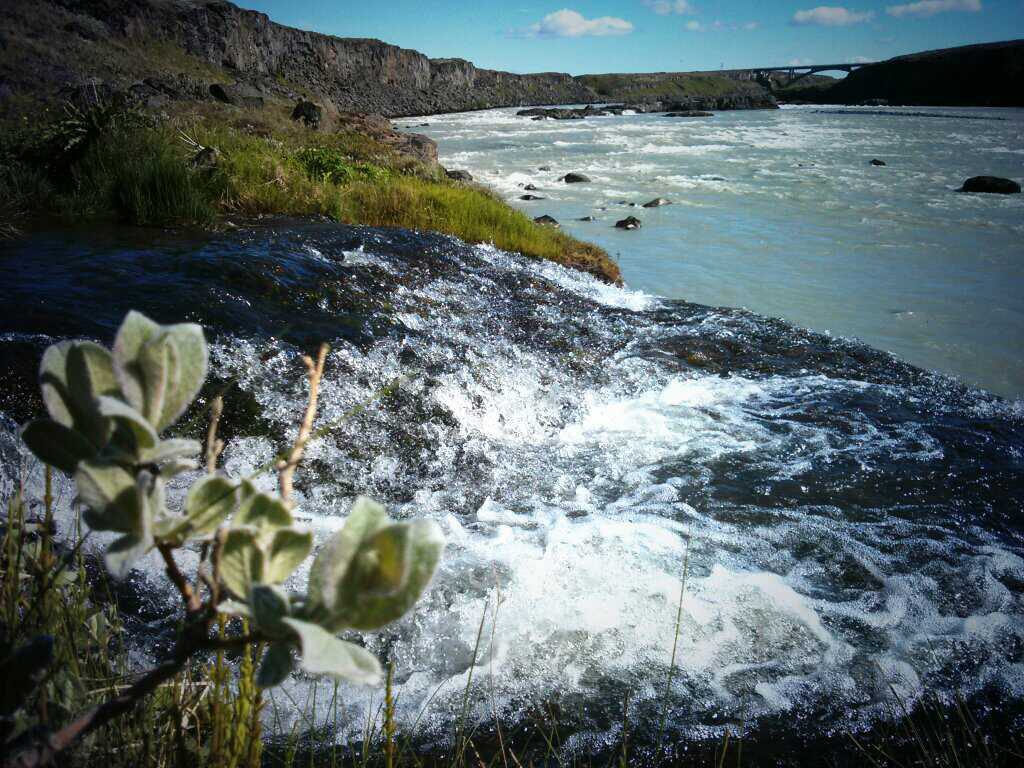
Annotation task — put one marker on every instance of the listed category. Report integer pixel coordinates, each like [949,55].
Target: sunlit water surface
[781,212]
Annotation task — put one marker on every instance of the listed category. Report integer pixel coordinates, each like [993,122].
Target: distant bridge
[795,72]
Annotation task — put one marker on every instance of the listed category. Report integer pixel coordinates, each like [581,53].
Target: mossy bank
[205,163]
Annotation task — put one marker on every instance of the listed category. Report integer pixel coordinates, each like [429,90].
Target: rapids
[850,524]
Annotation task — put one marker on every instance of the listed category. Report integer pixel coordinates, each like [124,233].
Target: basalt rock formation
[987,75]
[160,50]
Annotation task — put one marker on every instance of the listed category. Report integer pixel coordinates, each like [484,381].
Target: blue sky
[592,36]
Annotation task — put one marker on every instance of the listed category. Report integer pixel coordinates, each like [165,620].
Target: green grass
[659,86]
[146,173]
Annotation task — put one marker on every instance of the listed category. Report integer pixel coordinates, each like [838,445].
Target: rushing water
[781,212]
[852,524]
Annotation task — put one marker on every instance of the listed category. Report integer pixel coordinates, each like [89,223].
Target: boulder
[878,163]
[459,175]
[991,185]
[657,202]
[630,222]
[530,197]
[530,188]
[575,178]
[207,157]
[548,221]
[309,113]
[544,168]
[239,94]
[585,218]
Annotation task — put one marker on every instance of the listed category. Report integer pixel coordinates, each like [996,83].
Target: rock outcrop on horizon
[157,50]
[986,75]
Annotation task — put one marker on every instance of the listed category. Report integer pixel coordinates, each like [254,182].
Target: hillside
[160,50]
[987,75]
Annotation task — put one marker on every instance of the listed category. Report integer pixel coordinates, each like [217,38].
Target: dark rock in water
[558,113]
[630,222]
[544,168]
[309,113]
[539,117]
[459,175]
[585,218]
[574,178]
[424,125]
[530,188]
[658,202]
[878,162]
[991,185]
[531,197]
[689,113]
[874,103]
[549,221]
[239,94]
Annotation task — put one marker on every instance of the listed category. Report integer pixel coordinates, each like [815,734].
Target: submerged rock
[530,188]
[630,222]
[657,202]
[585,218]
[548,221]
[531,197]
[689,113]
[991,185]
[877,162]
[544,168]
[575,178]
[459,175]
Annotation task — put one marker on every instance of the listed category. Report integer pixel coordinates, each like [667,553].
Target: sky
[597,36]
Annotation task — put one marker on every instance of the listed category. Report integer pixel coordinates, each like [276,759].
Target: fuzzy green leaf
[190,361]
[325,654]
[360,608]
[57,445]
[269,605]
[335,556]
[287,550]
[263,512]
[241,561]
[143,435]
[209,502]
[169,450]
[111,495]
[135,330]
[276,666]
[156,367]
[72,375]
[124,552]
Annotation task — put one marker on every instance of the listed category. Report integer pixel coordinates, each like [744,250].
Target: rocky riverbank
[168,50]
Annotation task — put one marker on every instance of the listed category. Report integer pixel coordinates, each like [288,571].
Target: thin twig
[286,469]
[213,445]
[189,596]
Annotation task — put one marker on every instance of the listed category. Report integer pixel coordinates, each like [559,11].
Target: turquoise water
[781,212]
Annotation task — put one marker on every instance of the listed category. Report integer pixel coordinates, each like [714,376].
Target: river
[849,525]
[781,212]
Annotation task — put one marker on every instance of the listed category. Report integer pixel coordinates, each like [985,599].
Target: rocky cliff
[988,75]
[180,48]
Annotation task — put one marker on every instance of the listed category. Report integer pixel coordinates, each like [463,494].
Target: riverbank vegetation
[206,164]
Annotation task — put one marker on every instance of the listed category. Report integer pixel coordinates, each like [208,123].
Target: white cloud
[926,8]
[665,7]
[800,62]
[568,23]
[721,26]
[832,16]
